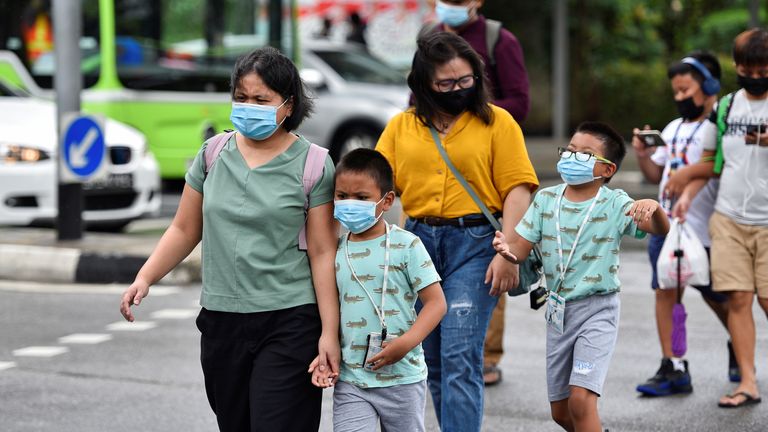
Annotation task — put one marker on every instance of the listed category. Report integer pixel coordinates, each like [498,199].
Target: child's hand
[642,210]
[322,376]
[392,353]
[502,247]
[681,207]
[641,150]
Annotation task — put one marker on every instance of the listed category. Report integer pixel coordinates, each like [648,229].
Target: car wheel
[354,137]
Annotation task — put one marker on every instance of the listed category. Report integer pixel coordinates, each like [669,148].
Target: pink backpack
[313,169]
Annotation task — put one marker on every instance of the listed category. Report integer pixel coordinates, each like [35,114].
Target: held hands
[502,274]
[502,247]
[329,355]
[132,296]
[322,376]
[642,210]
[392,352]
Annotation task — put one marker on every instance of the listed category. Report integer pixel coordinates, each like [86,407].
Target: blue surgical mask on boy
[452,15]
[356,215]
[257,122]
[575,172]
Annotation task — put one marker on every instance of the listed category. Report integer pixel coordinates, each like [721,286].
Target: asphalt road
[150,380]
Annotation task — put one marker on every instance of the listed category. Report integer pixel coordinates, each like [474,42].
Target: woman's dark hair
[750,48]
[371,163]
[613,143]
[437,49]
[279,74]
[704,57]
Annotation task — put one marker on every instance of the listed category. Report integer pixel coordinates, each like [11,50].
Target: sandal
[491,375]
[748,400]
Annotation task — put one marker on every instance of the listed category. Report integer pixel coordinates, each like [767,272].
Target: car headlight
[13,153]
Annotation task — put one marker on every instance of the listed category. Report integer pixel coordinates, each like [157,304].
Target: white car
[28,182]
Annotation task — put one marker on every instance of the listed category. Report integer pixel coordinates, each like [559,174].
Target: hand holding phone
[651,138]
[755,130]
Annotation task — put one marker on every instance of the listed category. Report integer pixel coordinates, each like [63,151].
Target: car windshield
[359,67]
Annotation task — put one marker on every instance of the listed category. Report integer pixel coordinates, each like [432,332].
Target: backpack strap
[492,35]
[723,109]
[213,149]
[313,170]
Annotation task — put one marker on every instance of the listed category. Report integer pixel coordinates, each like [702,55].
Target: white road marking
[57,288]
[175,314]
[40,351]
[131,326]
[7,365]
[85,338]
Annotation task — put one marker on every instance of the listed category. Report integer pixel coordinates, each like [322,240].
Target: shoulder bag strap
[723,109]
[463,181]
[313,170]
[212,151]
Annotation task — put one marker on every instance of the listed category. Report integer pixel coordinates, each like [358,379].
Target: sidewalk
[34,254]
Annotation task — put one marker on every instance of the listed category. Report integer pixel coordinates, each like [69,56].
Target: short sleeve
[626,225]
[421,270]
[511,165]
[386,145]
[529,226]
[708,135]
[322,192]
[660,156]
[196,173]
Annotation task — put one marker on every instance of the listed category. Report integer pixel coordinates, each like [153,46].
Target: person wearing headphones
[695,85]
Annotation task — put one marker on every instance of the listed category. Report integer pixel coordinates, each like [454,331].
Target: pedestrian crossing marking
[175,314]
[131,326]
[85,338]
[40,351]
[7,365]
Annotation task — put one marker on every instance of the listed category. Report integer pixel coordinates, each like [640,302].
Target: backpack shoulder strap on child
[723,109]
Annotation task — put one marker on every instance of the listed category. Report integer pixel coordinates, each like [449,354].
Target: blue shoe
[667,381]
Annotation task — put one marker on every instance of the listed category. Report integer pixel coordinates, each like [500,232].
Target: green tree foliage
[619,53]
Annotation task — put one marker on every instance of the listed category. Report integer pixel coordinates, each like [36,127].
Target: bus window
[183,46]
[27,30]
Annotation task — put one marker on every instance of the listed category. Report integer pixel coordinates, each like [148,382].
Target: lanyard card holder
[374,347]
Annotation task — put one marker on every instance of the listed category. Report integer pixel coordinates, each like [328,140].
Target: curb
[71,265]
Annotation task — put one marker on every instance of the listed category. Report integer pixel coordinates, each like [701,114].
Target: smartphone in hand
[755,130]
[651,138]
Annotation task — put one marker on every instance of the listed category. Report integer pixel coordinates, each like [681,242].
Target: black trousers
[255,369]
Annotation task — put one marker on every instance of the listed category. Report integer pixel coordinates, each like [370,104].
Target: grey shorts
[581,355]
[399,408]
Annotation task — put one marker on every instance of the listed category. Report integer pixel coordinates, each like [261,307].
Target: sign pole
[67,27]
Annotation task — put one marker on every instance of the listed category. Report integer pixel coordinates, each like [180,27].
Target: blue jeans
[454,350]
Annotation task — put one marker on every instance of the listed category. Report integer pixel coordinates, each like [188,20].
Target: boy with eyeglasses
[579,226]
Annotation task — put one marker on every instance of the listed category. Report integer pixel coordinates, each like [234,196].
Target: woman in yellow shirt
[486,145]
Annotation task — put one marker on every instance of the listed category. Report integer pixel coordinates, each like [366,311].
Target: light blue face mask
[575,172]
[356,215]
[257,122]
[452,15]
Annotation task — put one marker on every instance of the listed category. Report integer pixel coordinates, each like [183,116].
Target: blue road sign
[83,148]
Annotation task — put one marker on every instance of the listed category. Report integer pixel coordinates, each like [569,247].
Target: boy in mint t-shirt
[579,226]
[380,271]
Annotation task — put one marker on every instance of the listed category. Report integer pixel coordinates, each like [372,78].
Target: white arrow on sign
[77,152]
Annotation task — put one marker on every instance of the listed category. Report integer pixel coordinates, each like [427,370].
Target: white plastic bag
[694,265]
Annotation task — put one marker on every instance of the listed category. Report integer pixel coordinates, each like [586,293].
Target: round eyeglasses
[580,156]
[464,82]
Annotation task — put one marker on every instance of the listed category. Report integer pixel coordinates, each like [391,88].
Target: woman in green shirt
[268,307]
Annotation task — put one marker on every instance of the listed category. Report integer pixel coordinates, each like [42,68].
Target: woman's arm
[321,248]
[503,274]
[177,242]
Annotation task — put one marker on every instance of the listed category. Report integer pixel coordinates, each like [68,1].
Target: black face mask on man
[753,86]
[688,109]
[453,102]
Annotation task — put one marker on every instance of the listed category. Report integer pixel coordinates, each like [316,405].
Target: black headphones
[710,86]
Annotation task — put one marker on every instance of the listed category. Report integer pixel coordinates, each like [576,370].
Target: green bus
[161,66]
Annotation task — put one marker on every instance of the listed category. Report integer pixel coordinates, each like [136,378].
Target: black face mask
[753,86]
[688,109]
[453,102]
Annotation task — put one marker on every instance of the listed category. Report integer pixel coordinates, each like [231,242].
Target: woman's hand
[329,353]
[502,274]
[321,375]
[132,296]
